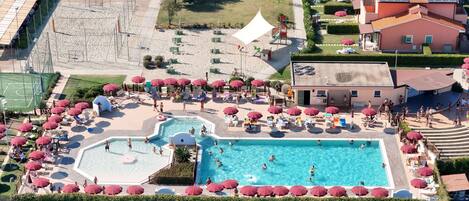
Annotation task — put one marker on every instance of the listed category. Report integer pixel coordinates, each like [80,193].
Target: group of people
[107,145]
[203,131]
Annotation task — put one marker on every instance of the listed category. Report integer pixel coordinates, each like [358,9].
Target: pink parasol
[194,190]
[298,190]
[41,182]
[379,192]
[57,110]
[466,60]
[347,41]
[340,13]
[199,82]
[465,66]
[254,115]
[25,127]
[110,87]
[257,83]
[50,125]
[43,140]
[218,83]
[311,111]
[170,82]
[183,82]
[36,155]
[425,171]
[135,190]
[33,166]
[138,79]
[112,189]
[62,103]
[275,110]
[408,149]
[280,191]
[337,191]
[418,183]
[248,190]
[3,128]
[332,110]
[319,191]
[236,83]
[230,184]
[71,188]
[157,82]
[18,141]
[294,111]
[414,135]
[360,190]
[369,111]
[74,112]
[230,110]
[93,189]
[265,191]
[55,118]
[82,105]
[214,187]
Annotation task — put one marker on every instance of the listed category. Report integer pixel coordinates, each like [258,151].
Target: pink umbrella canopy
[257,83]
[214,187]
[74,112]
[466,72]
[248,190]
[466,60]
[280,191]
[360,190]
[275,110]
[236,83]
[347,41]
[230,184]
[199,82]
[36,155]
[369,111]
[265,191]
[294,111]
[157,82]
[57,110]
[414,135]
[254,115]
[340,13]
[18,141]
[218,83]
[3,128]
[138,79]
[43,140]
[332,110]
[33,166]
[55,118]
[319,191]
[41,182]
[298,190]
[418,183]
[62,103]
[82,105]
[408,149]
[170,82]
[311,111]
[425,171]
[50,125]
[71,188]
[379,192]
[194,190]
[183,82]
[465,66]
[337,191]
[135,190]
[230,110]
[112,189]
[93,189]
[25,127]
[110,87]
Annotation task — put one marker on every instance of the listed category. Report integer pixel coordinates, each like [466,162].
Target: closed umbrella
[50,125]
[135,190]
[369,111]
[62,103]
[257,83]
[25,127]
[248,190]
[82,105]
[332,110]
[230,184]
[337,191]
[36,155]
[275,110]
[408,149]
[379,192]
[280,191]
[157,82]
[199,82]
[414,135]
[41,182]
[93,189]
[112,189]
[298,190]
[43,140]
[194,190]
[33,166]
[55,118]
[18,141]
[214,187]
[138,79]
[170,82]
[265,191]
[230,110]
[254,115]
[319,191]
[360,190]
[311,111]
[71,188]
[236,84]
[74,112]
[294,111]
[425,171]
[418,183]
[110,87]
[57,110]
[183,82]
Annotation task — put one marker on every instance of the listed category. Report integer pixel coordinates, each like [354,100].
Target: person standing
[202,105]
[183,106]
[161,107]
[106,146]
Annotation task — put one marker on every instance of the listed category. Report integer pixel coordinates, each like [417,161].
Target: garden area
[87,87]
[220,13]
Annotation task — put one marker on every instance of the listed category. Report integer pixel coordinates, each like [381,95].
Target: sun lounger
[78,120]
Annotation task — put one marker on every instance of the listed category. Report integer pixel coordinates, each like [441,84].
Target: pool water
[336,163]
[176,125]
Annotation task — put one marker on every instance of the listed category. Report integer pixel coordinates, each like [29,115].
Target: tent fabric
[257,27]
[104,102]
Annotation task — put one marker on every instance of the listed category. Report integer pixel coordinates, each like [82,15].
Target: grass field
[337,38]
[229,11]
[83,81]
[282,74]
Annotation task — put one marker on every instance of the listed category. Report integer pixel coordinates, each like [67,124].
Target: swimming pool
[337,162]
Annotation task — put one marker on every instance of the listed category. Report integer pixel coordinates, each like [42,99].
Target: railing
[432,147]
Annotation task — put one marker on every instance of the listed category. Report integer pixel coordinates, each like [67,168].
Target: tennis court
[23,92]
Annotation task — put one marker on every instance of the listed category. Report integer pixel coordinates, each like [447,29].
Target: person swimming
[272,158]
[362,146]
[230,143]
[351,142]
[221,150]
[312,169]
[210,153]
[318,142]
[264,166]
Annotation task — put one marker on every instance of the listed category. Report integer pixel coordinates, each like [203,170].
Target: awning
[365,28]
[455,182]
[433,81]
[255,29]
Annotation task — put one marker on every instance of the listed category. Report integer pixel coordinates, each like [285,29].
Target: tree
[172,7]
[182,154]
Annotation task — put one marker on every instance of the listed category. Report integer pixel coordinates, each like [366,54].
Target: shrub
[86,94]
[171,71]
[147,58]
[277,85]
[159,58]
[331,7]
[342,29]
[312,29]
[148,64]
[427,50]
[182,154]
[456,87]
[177,174]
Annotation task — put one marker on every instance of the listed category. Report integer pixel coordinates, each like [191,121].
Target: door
[307,97]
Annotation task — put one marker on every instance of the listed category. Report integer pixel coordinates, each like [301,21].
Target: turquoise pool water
[176,125]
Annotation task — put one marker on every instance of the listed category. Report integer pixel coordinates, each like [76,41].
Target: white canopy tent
[257,27]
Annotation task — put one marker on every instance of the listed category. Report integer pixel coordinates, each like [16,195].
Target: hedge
[403,60]
[331,7]
[311,29]
[342,29]
[177,174]
[84,197]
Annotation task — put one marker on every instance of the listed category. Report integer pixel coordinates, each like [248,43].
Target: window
[428,39]
[408,39]
[377,94]
[321,93]
[354,93]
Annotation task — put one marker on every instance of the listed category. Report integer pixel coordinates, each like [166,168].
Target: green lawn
[282,74]
[336,38]
[12,171]
[85,81]
[228,12]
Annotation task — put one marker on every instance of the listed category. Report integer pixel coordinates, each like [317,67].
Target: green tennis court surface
[23,92]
